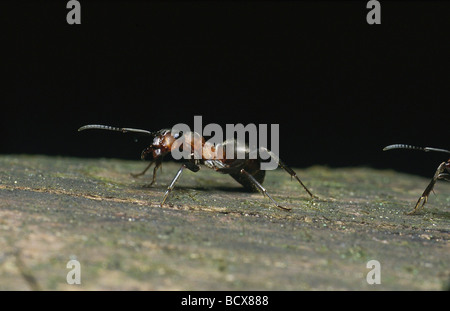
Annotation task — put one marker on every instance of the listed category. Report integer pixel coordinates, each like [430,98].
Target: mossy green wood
[213,235]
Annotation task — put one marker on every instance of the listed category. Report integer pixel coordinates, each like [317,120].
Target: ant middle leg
[262,189]
[191,166]
[172,184]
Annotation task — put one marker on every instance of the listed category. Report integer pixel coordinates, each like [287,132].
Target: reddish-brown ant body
[246,171]
[442,172]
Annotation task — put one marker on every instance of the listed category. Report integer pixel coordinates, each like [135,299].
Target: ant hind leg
[262,189]
[286,168]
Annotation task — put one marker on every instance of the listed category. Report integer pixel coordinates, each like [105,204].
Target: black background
[339,88]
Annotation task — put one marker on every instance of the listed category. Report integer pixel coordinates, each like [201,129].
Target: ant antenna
[112,128]
[402,146]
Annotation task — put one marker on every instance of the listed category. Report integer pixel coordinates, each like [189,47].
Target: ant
[245,171]
[442,172]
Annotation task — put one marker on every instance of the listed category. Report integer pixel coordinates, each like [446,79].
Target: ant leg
[144,171]
[287,169]
[157,165]
[172,184]
[190,166]
[438,175]
[262,189]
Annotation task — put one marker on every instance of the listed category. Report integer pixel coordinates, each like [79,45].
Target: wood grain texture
[212,234]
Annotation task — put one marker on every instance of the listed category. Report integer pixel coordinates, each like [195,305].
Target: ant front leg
[135,175]
[262,189]
[438,175]
[189,165]
[286,168]
[157,165]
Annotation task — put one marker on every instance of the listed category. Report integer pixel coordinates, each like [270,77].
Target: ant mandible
[245,171]
[442,172]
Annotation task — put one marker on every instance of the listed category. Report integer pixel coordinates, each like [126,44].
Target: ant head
[161,145]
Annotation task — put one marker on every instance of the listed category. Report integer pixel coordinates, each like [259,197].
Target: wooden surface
[212,235]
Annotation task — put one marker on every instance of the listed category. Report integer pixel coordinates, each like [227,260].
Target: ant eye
[178,135]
